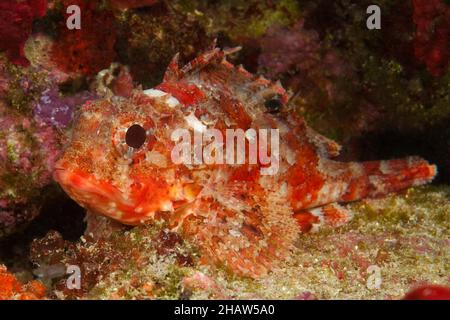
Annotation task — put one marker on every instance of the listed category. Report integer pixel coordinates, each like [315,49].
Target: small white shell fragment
[172,102]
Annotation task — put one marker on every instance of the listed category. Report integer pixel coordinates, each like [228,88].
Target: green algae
[148,41]
[11,153]
[250,19]
[18,96]
[17,185]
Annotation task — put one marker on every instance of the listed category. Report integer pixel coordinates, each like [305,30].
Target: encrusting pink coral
[301,60]
[28,151]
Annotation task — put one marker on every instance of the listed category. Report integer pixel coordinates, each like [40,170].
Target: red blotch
[90,49]
[356,189]
[236,111]
[429,292]
[245,173]
[304,176]
[187,93]
[305,221]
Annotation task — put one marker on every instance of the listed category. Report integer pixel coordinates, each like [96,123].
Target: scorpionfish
[120,164]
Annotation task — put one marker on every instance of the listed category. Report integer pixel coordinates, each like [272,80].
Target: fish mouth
[98,196]
[137,205]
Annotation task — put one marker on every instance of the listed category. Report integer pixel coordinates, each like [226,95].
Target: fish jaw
[102,197]
[141,203]
[94,195]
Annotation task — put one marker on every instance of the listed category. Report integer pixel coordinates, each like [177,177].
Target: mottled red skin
[429,292]
[241,219]
[16,21]
[188,94]
[123,84]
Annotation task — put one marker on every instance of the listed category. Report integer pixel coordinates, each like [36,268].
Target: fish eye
[273,105]
[135,136]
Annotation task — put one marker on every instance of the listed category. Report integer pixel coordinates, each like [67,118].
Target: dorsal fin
[213,69]
[213,55]
[173,71]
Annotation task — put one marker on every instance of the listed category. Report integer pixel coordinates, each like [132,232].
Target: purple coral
[286,50]
[56,110]
[297,56]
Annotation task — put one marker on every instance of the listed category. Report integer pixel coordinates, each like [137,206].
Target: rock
[28,152]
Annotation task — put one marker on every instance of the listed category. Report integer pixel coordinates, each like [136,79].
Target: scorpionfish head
[118,162]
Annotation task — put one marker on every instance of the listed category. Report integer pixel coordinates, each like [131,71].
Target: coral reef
[148,39]
[405,236]
[147,262]
[28,152]
[20,87]
[250,19]
[57,111]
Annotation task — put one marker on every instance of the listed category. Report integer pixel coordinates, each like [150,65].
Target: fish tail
[361,180]
[378,178]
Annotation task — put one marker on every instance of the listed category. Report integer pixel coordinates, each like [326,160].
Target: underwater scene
[221,150]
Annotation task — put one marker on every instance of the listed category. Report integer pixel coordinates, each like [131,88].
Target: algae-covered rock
[149,38]
[144,262]
[28,152]
[402,239]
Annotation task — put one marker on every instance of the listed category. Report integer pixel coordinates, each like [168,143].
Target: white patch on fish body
[195,123]
[171,101]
